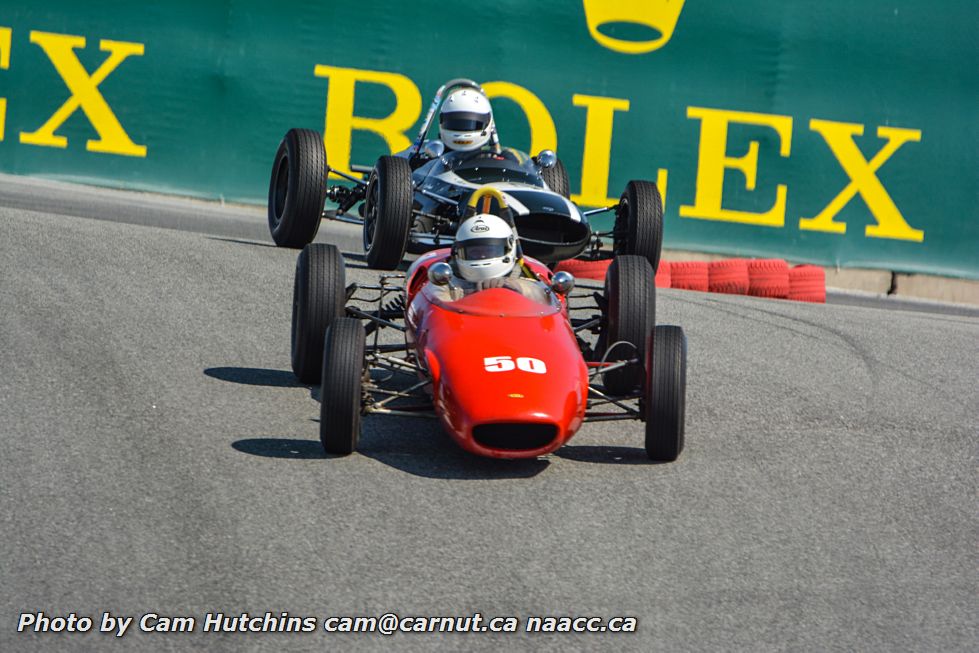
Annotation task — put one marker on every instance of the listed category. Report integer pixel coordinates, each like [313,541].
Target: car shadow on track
[255,376]
[422,448]
[240,241]
[416,446]
[605,455]
[423,452]
[282,448]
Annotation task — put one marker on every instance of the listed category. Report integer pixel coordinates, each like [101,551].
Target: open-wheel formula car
[414,200]
[508,374]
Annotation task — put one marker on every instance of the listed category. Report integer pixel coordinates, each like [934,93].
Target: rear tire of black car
[639,222]
[630,297]
[556,178]
[297,190]
[341,394]
[387,213]
[666,389]
[318,297]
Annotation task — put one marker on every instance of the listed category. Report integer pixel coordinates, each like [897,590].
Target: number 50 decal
[507,364]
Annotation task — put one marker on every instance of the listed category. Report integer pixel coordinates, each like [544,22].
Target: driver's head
[465,120]
[484,248]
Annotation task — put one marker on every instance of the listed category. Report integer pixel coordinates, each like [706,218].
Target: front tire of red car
[341,396]
[665,396]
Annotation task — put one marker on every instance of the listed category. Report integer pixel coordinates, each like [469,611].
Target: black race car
[414,200]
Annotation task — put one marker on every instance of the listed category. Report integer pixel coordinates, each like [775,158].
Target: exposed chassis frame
[388,300]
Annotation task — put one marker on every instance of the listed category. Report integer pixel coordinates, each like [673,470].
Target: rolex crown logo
[632,26]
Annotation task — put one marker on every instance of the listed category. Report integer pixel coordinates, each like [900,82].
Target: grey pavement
[159,457]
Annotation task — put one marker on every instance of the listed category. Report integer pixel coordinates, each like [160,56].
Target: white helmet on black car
[465,120]
[485,248]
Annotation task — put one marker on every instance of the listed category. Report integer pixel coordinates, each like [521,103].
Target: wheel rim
[370,213]
[281,187]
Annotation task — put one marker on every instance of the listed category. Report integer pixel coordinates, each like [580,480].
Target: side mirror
[434,149]
[546,159]
[562,282]
[440,274]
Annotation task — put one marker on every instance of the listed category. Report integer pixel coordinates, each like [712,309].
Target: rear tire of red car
[556,178]
[297,190]
[341,395]
[318,297]
[630,315]
[666,389]
[387,213]
[639,222]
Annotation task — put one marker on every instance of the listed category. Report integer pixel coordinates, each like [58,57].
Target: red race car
[509,374]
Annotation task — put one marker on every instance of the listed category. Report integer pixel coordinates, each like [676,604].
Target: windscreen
[486,167]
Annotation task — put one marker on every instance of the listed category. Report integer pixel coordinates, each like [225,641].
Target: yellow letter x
[85,94]
[863,179]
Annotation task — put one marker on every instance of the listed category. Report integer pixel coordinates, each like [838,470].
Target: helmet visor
[464,121]
[481,249]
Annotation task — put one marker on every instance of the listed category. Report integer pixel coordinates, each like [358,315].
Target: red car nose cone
[514,392]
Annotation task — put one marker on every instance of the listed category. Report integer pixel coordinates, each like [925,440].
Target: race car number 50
[508,364]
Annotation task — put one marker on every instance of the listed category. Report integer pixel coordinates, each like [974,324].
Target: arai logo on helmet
[479,227]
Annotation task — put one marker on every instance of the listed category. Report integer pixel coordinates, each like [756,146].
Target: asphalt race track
[159,456]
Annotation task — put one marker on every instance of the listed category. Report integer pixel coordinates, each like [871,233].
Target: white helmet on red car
[485,247]
[465,120]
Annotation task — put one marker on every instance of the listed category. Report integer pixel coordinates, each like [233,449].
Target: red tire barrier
[768,278]
[585,269]
[663,277]
[729,277]
[807,283]
[689,275]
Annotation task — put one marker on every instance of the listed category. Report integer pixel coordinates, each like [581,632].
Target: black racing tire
[297,190]
[556,178]
[318,298]
[630,298]
[666,389]
[387,213]
[341,397]
[639,222]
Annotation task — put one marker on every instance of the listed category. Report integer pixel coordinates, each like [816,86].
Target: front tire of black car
[666,389]
[387,213]
[297,190]
[556,178]
[318,297]
[341,394]
[630,297]
[639,222]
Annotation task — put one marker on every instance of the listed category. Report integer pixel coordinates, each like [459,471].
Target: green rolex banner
[840,133]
